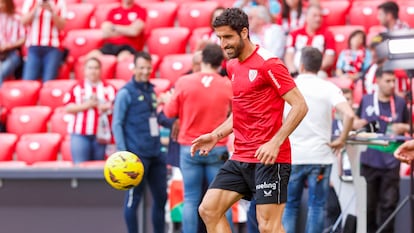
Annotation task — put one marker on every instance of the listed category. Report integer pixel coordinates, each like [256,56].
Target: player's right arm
[206,142]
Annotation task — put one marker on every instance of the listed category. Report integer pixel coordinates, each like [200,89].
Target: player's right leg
[213,209]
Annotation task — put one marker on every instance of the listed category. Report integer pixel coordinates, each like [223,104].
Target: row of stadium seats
[194,14]
[34,147]
[24,93]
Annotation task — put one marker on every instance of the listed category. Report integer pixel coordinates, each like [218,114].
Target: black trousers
[383,192]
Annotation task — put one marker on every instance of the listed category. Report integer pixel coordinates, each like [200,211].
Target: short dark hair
[234,17]
[390,7]
[142,54]
[380,71]
[311,59]
[212,54]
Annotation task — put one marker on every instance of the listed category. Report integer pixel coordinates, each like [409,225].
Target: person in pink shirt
[201,101]
[312,34]
[45,20]
[123,30]
[260,165]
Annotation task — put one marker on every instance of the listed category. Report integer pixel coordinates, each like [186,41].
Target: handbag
[103,133]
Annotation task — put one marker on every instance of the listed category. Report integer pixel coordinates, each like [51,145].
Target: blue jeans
[155,175]
[42,61]
[195,170]
[86,148]
[317,179]
[8,66]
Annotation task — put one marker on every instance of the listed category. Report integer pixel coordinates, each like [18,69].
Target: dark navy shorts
[265,183]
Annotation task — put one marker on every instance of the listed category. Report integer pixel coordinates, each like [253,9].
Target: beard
[234,51]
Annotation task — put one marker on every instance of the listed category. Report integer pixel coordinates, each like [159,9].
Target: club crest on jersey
[252,75]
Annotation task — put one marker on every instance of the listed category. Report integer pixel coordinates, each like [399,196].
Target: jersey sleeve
[279,76]
[330,43]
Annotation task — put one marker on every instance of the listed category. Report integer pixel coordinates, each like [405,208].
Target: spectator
[352,62]
[136,130]
[195,95]
[292,16]
[312,148]
[45,20]
[380,168]
[210,37]
[312,34]
[12,37]
[388,17]
[272,5]
[264,33]
[91,102]
[123,31]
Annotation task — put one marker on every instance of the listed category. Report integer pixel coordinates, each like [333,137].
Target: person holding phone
[45,20]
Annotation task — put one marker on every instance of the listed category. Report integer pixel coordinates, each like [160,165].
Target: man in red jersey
[201,101]
[123,30]
[260,165]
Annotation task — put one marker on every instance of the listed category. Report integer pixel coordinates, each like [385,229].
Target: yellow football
[123,170]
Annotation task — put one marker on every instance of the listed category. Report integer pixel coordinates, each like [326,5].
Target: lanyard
[377,110]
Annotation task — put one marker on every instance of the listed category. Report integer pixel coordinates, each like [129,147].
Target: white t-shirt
[309,141]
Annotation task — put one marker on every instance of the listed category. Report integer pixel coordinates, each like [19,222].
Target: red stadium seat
[98,2]
[184,1]
[19,93]
[108,67]
[175,65]
[159,14]
[101,12]
[28,119]
[8,145]
[38,147]
[117,83]
[341,35]
[199,34]
[406,12]
[59,121]
[52,92]
[225,3]
[82,41]
[160,85]
[170,40]
[196,14]
[65,149]
[78,16]
[364,13]
[335,12]
[125,68]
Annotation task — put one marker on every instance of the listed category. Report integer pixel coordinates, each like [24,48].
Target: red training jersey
[123,16]
[202,102]
[259,82]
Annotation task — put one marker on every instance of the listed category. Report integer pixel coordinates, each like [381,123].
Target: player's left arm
[268,152]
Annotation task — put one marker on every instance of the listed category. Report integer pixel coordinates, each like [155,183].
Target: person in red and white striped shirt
[12,37]
[89,100]
[46,19]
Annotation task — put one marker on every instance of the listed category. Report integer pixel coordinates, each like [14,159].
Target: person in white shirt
[312,147]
